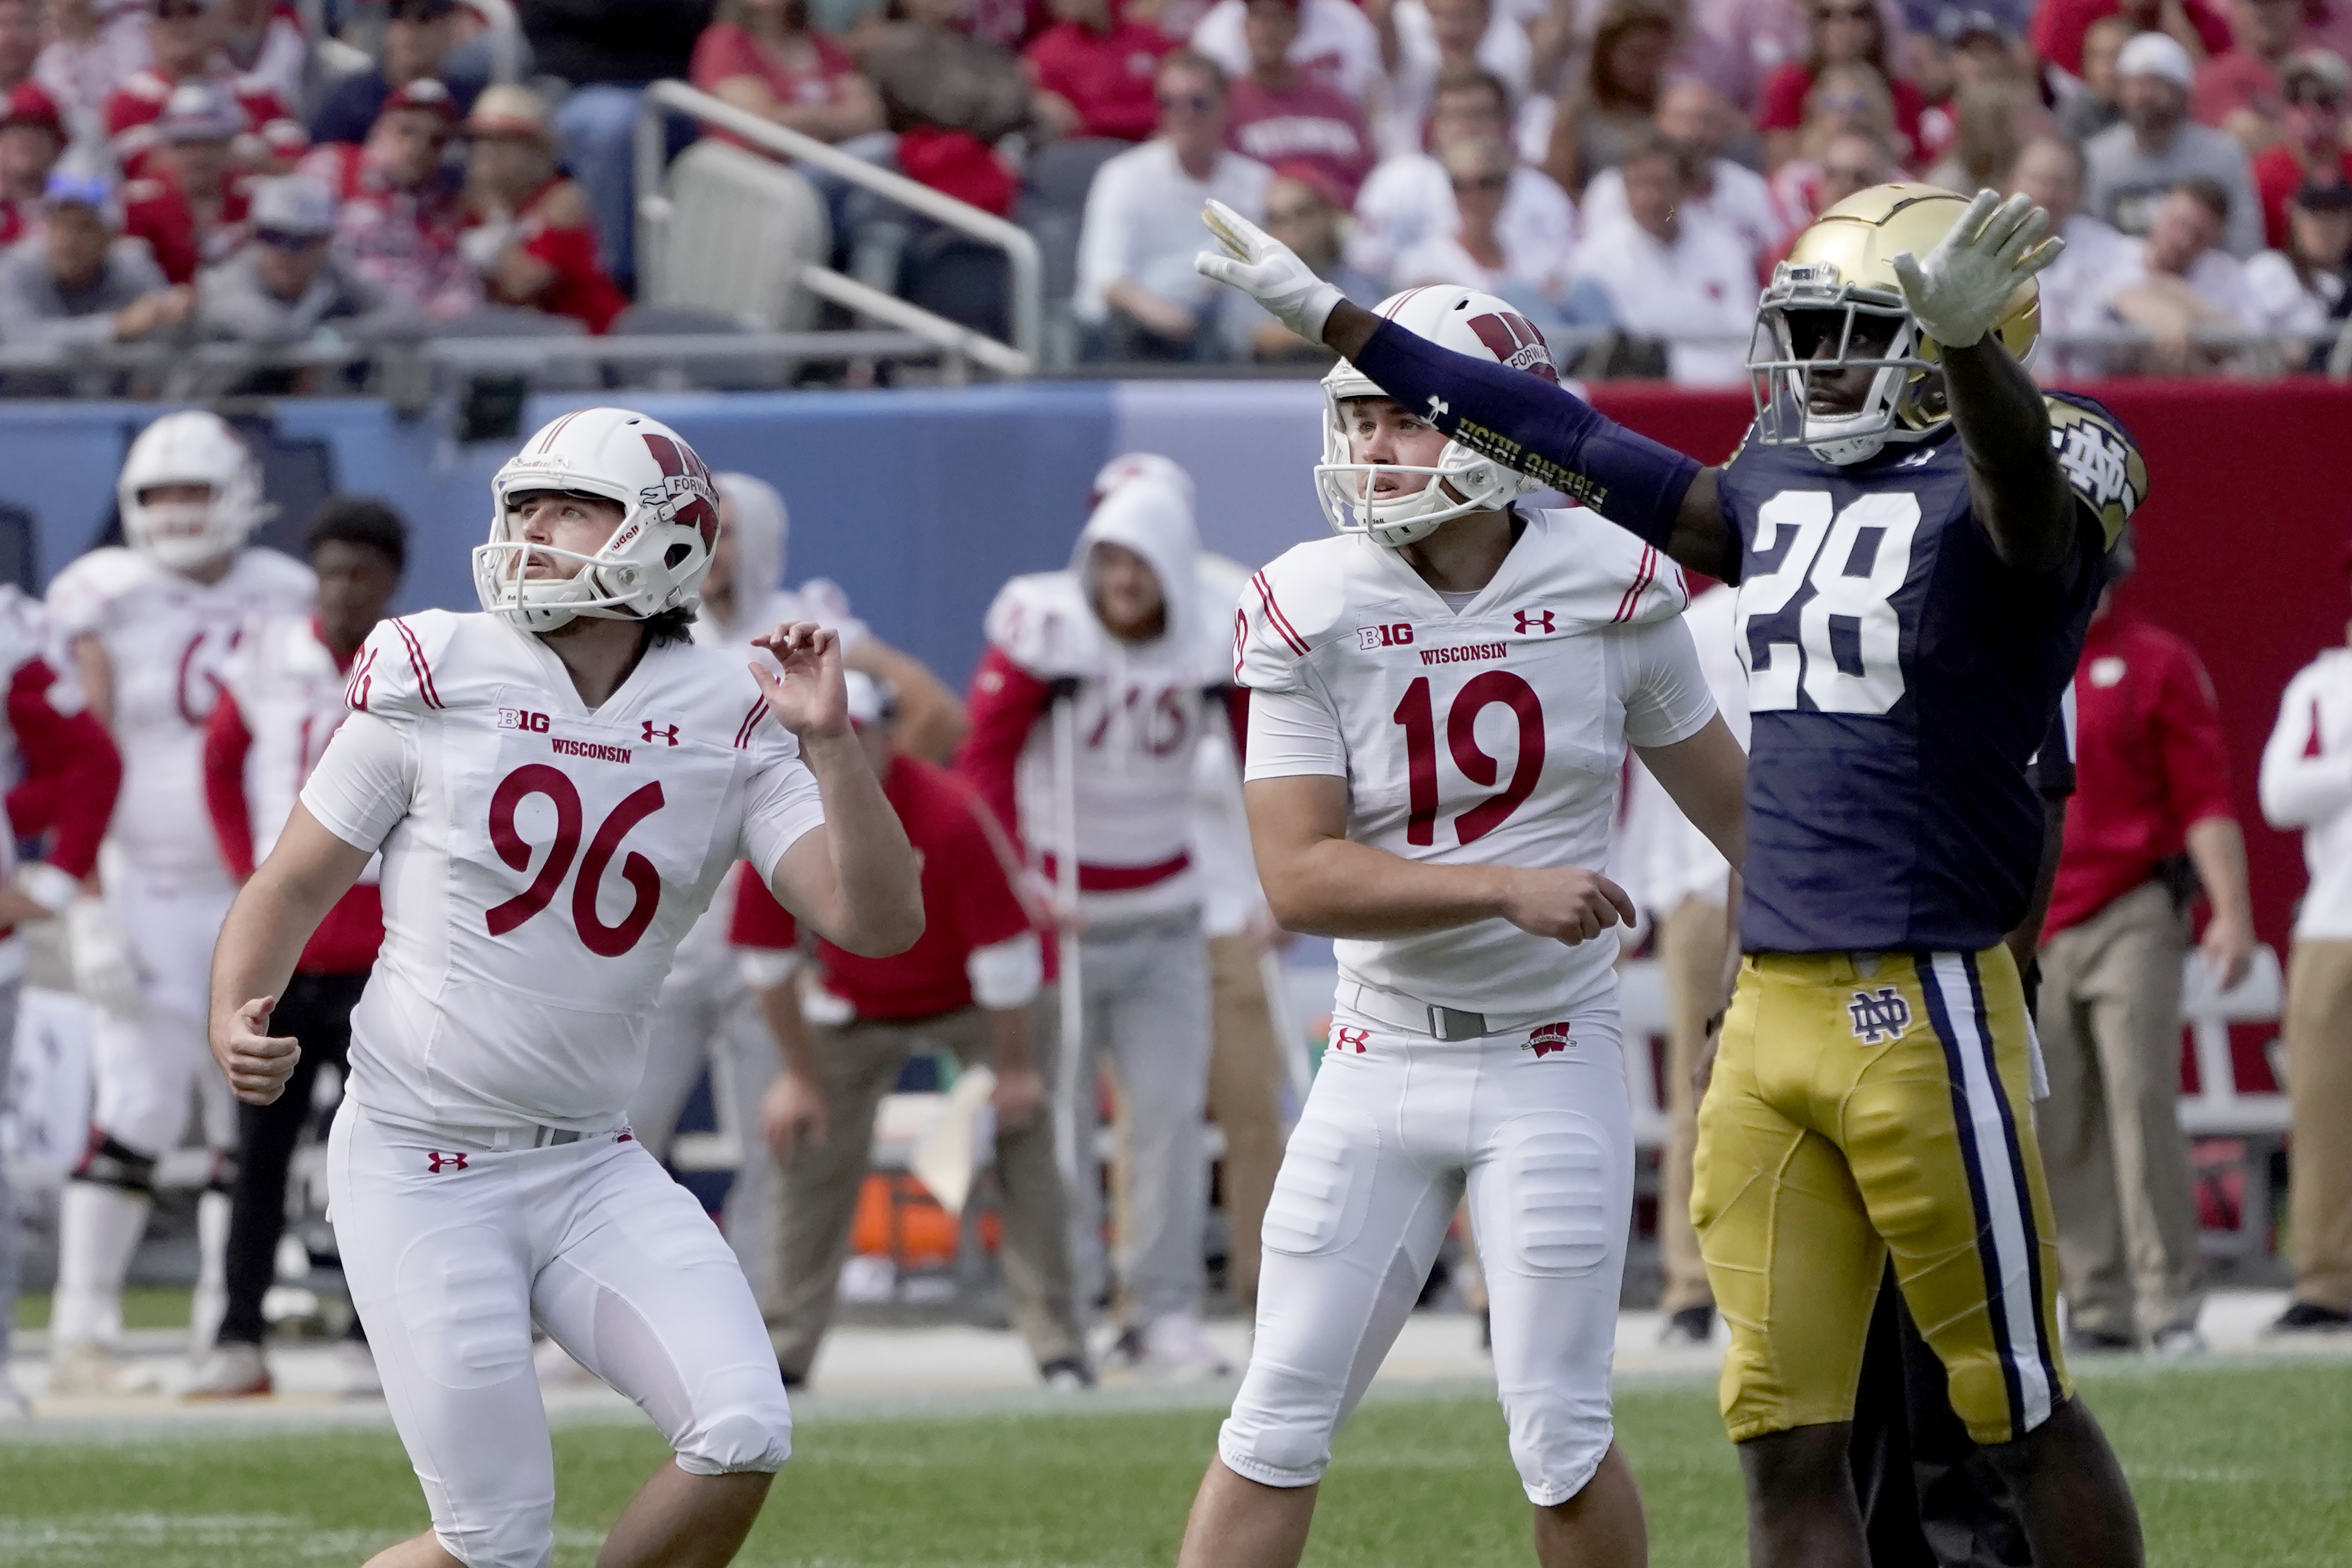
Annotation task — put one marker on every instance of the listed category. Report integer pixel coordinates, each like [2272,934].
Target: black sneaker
[2310,1317]
[1691,1326]
[2097,1342]
[1066,1374]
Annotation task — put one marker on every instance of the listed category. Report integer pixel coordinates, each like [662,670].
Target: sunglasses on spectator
[1846,13]
[179,10]
[1299,214]
[1482,182]
[2311,95]
[286,239]
[1198,102]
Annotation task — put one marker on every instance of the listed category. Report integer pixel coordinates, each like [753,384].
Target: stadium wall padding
[920,503]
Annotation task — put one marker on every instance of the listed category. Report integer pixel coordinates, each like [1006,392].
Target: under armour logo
[1529,620]
[1883,1015]
[1438,407]
[1547,1038]
[1352,1040]
[652,734]
[441,1162]
[1918,459]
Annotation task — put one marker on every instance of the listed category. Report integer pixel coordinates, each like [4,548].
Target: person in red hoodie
[190,207]
[1094,68]
[32,139]
[528,231]
[183,39]
[970,984]
[281,700]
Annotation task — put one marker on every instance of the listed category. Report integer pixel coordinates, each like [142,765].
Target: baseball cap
[294,205]
[428,95]
[1956,24]
[507,110]
[29,104]
[96,192]
[2323,196]
[871,701]
[419,10]
[2324,67]
[2154,55]
[201,112]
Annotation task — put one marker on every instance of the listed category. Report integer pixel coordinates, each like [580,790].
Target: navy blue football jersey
[1901,678]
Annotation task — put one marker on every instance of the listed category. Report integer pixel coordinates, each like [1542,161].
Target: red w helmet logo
[689,477]
[1513,339]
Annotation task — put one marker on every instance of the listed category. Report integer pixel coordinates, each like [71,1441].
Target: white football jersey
[540,861]
[1493,735]
[286,685]
[168,637]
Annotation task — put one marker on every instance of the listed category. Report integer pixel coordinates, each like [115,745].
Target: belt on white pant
[1399,1011]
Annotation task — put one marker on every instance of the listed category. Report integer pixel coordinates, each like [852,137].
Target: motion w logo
[1881,1017]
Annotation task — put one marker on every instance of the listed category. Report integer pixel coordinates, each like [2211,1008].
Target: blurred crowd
[1624,170]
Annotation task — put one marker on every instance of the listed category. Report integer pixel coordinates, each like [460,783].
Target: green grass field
[2237,1465]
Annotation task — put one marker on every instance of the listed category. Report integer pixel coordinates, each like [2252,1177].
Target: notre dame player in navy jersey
[1917,532]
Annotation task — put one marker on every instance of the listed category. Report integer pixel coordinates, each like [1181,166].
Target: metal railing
[1024,265]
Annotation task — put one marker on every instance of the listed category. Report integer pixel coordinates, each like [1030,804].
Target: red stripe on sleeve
[416,662]
[1276,619]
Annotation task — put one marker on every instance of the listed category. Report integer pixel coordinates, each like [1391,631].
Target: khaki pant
[816,1193]
[2319,1083]
[1244,1084]
[2118,1165]
[1691,943]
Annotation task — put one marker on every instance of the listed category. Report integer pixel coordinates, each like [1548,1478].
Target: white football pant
[143,1069]
[709,1019]
[1371,1176]
[451,1253]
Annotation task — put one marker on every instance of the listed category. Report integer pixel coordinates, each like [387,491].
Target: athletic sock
[98,1229]
[209,1304]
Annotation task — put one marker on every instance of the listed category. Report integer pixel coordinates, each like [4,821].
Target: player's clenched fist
[809,698]
[1566,904]
[255,1062]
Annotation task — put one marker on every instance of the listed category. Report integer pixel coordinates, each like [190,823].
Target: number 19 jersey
[1494,735]
[541,860]
[1900,677]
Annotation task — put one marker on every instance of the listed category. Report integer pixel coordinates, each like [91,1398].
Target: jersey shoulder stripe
[418,663]
[396,675]
[1294,605]
[2101,461]
[750,722]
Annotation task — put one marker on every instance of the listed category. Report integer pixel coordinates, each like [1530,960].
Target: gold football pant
[1863,1104]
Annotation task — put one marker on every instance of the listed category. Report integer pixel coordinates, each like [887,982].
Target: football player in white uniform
[1439,703]
[1088,702]
[61,772]
[150,625]
[557,788]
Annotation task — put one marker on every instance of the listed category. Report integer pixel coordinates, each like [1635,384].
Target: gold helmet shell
[1845,261]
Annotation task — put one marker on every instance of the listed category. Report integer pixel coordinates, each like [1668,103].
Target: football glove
[1958,292]
[1267,270]
[103,970]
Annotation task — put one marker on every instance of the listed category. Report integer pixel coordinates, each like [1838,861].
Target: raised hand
[255,1062]
[809,698]
[1267,270]
[1960,291]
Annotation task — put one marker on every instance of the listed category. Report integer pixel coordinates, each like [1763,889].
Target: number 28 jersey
[1495,735]
[1900,678]
[541,862]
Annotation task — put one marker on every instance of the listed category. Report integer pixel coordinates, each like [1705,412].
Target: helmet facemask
[1870,330]
[605,585]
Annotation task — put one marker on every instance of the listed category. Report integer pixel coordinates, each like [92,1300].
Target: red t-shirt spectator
[157,210]
[2149,759]
[554,225]
[2278,175]
[402,241]
[1313,123]
[2059,25]
[1106,77]
[726,51]
[2230,82]
[967,903]
[1781,104]
[276,140]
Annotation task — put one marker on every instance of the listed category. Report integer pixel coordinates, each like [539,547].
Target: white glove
[103,970]
[1958,294]
[1268,271]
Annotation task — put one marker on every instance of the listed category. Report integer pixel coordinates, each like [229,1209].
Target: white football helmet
[191,447]
[1462,481]
[657,558]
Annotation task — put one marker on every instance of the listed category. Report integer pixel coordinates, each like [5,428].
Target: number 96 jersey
[1900,678]
[540,861]
[1491,736]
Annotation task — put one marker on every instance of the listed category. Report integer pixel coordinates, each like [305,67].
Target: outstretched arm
[275,914]
[1958,292]
[1524,421]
